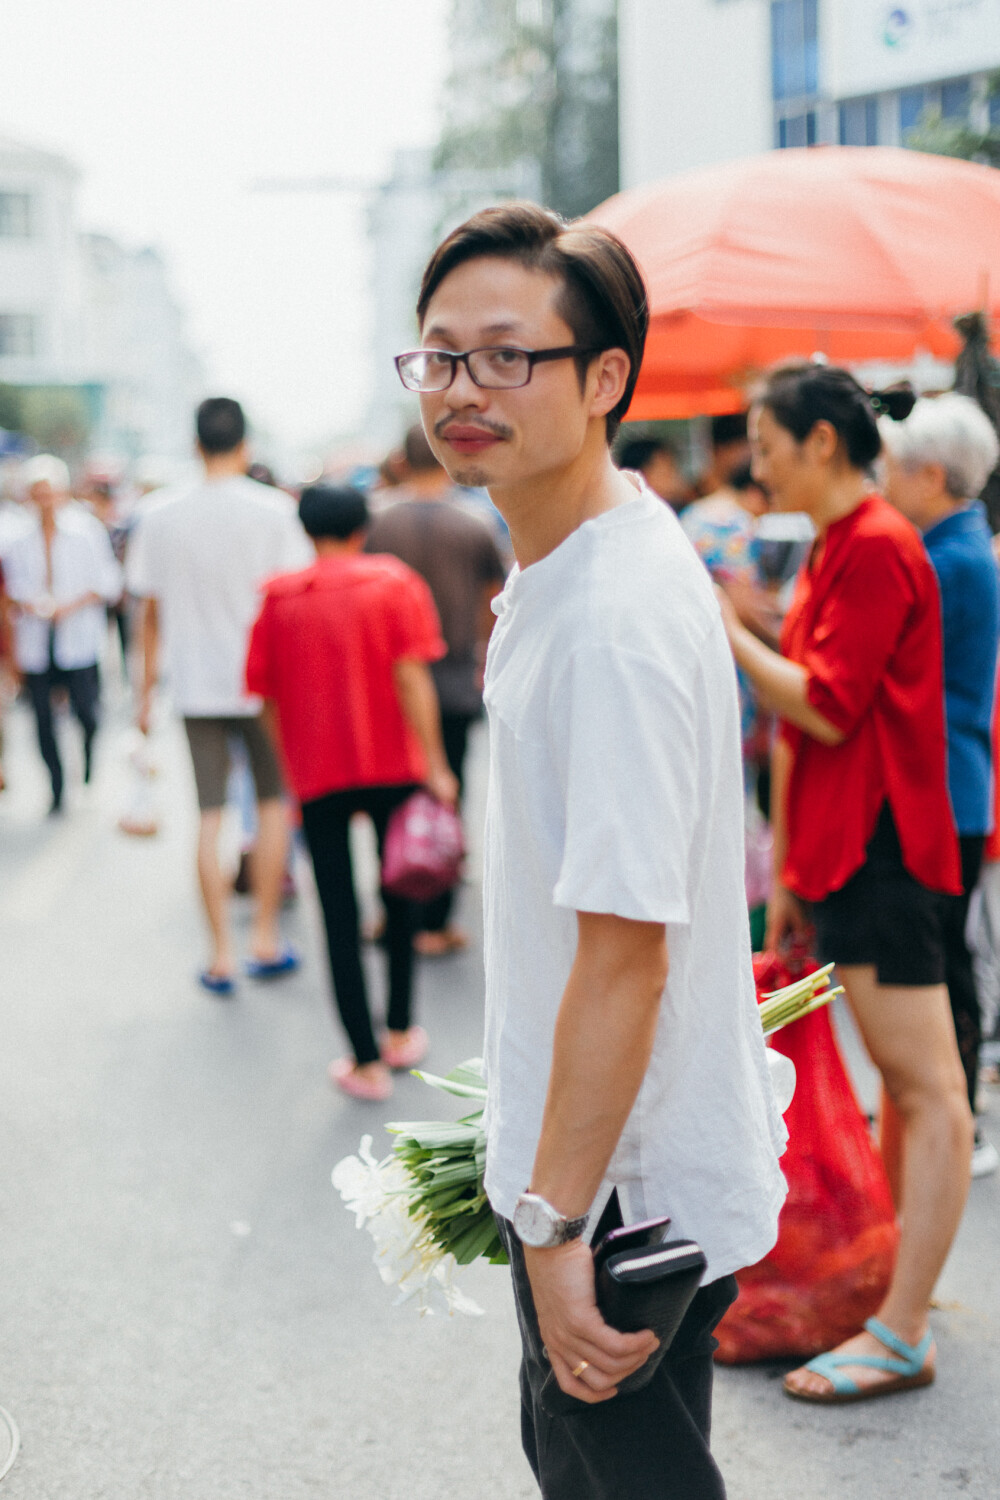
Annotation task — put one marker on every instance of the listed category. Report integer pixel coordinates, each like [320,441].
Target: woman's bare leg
[910,1036]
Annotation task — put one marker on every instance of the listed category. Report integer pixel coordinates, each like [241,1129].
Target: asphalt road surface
[187,1310]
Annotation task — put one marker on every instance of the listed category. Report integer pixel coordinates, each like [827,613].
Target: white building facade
[80,310]
[39,270]
[704,81]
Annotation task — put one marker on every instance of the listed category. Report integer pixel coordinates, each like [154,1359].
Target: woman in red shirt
[865,841]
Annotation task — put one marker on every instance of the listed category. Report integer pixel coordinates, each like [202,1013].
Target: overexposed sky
[172,109]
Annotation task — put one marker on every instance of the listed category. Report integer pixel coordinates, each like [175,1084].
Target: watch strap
[572,1229]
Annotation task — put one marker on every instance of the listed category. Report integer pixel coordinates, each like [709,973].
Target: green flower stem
[446,1160]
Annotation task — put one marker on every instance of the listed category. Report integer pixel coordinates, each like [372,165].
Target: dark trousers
[326,825]
[651,1445]
[455,734]
[958,964]
[83,685]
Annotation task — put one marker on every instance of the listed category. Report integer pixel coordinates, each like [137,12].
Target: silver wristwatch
[539,1225]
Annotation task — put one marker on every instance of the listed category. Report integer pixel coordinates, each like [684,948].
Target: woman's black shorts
[885,917]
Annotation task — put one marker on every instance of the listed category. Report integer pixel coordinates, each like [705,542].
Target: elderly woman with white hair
[60,576]
[936,462]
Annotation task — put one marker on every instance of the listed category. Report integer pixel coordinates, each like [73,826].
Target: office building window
[912,103]
[859,122]
[796,130]
[794,49]
[15,216]
[956,99]
[17,335]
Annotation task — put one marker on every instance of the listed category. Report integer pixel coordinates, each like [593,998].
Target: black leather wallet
[650,1288]
[640,1283]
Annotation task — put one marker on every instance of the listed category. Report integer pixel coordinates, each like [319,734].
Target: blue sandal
[272,968]
[905,1364]
[216,984]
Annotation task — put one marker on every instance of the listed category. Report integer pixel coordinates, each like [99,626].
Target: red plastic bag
[837,1235]
[424,849]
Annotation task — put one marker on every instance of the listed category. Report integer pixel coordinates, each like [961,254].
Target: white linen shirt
[203,552]
[616,786]
[82,563]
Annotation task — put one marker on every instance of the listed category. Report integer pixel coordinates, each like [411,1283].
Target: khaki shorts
[210,740]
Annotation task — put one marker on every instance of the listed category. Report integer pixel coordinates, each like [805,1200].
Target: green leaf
[463,1089]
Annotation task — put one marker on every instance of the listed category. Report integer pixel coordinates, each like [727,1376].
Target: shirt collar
[968,518]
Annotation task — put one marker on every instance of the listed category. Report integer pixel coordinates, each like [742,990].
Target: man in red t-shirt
[340,651]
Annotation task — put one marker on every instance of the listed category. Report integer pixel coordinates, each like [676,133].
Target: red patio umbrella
[862,253]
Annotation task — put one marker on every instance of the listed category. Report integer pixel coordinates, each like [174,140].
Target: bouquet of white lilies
[424,1204]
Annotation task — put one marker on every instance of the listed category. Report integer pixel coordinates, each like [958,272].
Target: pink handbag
[424,849]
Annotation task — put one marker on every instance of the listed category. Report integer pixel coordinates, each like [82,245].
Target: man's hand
[144,712]
[572,1329]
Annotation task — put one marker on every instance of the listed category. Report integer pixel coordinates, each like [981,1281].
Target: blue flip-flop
[272,968]
[216,984]
[905,1363]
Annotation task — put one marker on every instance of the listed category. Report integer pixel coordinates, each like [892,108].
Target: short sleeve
[622,730]
[856,630]
[258,666]
[415,629]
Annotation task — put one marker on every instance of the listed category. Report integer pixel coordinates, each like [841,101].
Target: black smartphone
[647,1235]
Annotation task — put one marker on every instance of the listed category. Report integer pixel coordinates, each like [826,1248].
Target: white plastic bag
[139,816]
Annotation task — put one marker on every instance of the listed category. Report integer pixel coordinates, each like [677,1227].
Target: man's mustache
[496,429]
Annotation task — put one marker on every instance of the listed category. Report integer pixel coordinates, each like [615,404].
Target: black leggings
[326,824]
[958,964]
[84,688]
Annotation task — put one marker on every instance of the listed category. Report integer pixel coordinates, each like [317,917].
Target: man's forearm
[150,636]
[419,701]
[603,1041]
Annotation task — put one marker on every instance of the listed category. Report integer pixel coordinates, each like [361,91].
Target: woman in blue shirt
[935,461]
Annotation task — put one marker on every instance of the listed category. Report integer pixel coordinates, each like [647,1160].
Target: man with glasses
[625,1064]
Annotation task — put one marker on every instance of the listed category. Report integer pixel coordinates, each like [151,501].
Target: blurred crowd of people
[364,676]
[325,652]
[354,687]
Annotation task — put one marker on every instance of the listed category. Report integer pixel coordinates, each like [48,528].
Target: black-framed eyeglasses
[493,368]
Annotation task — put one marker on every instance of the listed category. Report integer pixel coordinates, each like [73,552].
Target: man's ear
[609,375]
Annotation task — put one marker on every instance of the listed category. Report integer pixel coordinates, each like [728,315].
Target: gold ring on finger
[583,1365]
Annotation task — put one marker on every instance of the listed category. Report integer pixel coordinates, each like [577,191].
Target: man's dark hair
[636,453]
[333,510]
[419,453]
[220,424]
[800,394]
[731,427]
[603,298]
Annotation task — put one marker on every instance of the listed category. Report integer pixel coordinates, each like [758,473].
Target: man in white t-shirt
[197,557]
[625,1064]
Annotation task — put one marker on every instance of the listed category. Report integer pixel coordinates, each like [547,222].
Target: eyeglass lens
[494,368]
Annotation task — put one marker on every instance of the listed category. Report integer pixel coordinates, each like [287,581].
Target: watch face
[534,1221]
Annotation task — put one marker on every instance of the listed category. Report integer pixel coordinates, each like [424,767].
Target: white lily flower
[377,1193]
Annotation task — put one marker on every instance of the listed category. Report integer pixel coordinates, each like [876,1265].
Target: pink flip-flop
[344,1074]
[407,1053]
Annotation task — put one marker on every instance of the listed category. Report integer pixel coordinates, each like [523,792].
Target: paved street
[188,1312]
